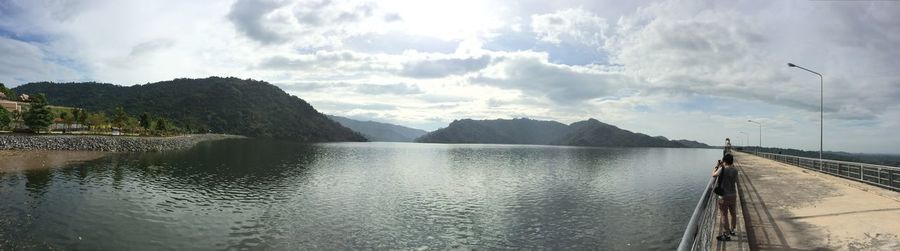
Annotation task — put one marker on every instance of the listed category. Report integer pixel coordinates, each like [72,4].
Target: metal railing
[700,230]
[887,177]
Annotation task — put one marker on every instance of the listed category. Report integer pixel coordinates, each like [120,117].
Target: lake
[259,194]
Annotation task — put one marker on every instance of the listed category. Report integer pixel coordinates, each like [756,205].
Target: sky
[681,69]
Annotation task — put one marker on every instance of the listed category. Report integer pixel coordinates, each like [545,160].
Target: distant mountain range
[377,131]
[590,132]
[259,109]
[221,105]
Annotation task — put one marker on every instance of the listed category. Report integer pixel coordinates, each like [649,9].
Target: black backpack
[718,189]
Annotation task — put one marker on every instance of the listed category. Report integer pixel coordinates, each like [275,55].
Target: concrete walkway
[789,208]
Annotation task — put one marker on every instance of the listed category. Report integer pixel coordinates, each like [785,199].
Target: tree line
[38,116]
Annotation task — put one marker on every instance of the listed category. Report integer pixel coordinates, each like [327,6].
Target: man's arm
[717,170]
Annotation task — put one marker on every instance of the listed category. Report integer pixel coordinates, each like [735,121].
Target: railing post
[879,175]
[891,180]
[861,172]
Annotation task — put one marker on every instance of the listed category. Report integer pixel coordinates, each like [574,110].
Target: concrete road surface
[790,208]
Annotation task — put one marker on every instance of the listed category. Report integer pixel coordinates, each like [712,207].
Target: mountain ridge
[221,105]
[379,131]
[589,132]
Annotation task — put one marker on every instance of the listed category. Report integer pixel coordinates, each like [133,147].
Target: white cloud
[571,25]
[308,24]
[443,66]
[673,66]
[22,61]
[533,74]
[722,52]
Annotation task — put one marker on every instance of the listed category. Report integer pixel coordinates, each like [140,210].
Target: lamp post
[758,148]
[748,138]
[821,108]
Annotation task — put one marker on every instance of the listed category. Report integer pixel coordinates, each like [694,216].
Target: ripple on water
[276,195]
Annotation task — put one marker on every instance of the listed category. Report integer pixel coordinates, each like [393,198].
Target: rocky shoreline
[104,143]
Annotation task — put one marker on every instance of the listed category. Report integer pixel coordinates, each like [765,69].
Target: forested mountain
[595,133]
[377,131]
[691,143]
[527,131]
[221,105]
[500,131]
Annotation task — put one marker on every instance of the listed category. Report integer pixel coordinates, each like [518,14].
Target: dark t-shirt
[727,178]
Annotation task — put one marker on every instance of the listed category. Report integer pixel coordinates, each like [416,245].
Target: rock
[104,143]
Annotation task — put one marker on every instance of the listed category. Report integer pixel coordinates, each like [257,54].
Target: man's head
[728,159]
[727,139]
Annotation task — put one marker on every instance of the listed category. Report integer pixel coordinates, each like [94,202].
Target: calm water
[277,195]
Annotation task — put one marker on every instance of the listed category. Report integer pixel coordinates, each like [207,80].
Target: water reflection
[259,194]
[37,182]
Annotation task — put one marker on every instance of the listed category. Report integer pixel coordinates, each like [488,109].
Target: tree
[145,121]
[38,117]
[10,94]
[16,119]
[132,125]
[81,116]
[76,114]
[161,125]
[66,118]
[5,118]
[120,118]
[97,119]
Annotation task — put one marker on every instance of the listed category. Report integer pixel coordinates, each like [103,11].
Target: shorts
[727,201]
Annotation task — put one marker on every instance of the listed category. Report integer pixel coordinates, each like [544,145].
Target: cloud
[150,46]
[395,89]
[442,67]
[308,24]
[532,74]
[352,88]
[23,61]
[409,64]
[392,17]
[250,17]
[335,105]
[325,13]
[570,25]
[721,52]
[656,68]
[319,59]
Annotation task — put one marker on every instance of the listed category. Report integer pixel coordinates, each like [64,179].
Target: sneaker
[723,237]
[732,233]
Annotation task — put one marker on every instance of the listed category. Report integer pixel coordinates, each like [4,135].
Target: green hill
[536,132]
[500,131]
[221,105]
[377,131]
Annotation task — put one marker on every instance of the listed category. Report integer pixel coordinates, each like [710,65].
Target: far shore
[38,151]
[104,143]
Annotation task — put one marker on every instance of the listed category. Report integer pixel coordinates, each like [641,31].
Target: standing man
[727,147]
[727,178]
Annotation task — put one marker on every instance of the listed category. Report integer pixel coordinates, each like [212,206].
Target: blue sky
[681,69]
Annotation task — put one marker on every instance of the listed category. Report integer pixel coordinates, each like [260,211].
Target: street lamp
[821,107]
[748,138]
[758,148]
